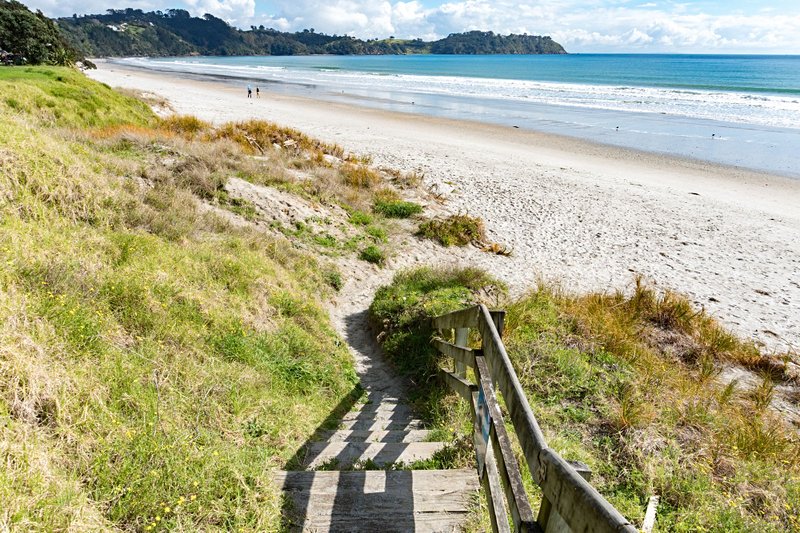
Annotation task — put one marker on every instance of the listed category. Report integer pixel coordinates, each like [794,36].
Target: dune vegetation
[160,354]
[156,360]
[628,384]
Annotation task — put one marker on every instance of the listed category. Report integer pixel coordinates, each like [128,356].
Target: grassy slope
[155,363]
[626,385]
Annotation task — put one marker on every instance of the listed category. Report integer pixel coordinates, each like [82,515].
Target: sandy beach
[587,216]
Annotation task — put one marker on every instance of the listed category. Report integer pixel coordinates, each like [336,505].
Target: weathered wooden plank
[494,490]
[581,506]
[490,478]
[462,341]
[461,386]
[465,318]
[402,415]
[650,515]
[549,518]
[368,501]
[381,453]
[527,428]
[347,435]
[462,355]
[370,424]
[578,503]
[507,466]
[380,410]
[499,319]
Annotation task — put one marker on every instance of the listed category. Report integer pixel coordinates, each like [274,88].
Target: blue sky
[647,26]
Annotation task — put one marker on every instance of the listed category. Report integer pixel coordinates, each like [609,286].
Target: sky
[587,26]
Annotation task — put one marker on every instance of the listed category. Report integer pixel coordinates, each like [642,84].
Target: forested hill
[132,32]
[31,38]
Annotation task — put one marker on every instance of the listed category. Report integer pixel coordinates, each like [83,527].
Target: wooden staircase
[334,493]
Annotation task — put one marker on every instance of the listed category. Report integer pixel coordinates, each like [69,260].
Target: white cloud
[580,25]
[56,8]
[351,17]
[230,10]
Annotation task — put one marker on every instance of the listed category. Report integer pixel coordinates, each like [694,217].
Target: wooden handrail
[568,499]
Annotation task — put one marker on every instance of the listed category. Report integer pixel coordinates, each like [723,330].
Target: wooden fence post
[549,519]
[568,497]
[462,339]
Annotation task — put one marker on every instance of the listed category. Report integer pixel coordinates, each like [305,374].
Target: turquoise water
[768,74]
[747,106]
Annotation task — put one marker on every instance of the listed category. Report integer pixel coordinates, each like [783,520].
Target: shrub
[334,279]
[455,230]
[397,208]
[401,311]
[373,254]
[187,126]
[359,218]
[616,381]
[404,180]
[258,136]
[389,204]
[379,234]
[360,176]
[325,239]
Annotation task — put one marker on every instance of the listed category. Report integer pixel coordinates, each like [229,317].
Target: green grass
[62,96]
[359,218]
[622,383]
[377,233]
[396,208]
[155,363]
[258,137]
[359,175]
[454,230]
[373,254]
[402,310]
[334,279]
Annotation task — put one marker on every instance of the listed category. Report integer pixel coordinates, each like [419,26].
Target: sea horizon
[741,110]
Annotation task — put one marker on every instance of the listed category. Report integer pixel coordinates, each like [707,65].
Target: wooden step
[346,435]
[381,453]
[402,412]
[383,407]
[368,501]
[369,424]
[377,397]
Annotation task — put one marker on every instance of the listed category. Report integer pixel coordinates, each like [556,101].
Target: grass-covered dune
[627,384]
[155,362]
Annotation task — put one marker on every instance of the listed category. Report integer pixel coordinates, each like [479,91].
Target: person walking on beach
[249,91]
[258,93]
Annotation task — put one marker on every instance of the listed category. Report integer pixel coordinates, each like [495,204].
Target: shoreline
[586,215]
[584,146]
[654,128]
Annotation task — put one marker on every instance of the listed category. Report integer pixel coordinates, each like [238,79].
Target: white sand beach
[588,216]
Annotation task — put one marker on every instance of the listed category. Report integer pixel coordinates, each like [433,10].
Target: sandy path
[589,216]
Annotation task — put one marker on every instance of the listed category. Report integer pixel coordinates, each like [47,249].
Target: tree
[176,32]
[32,37]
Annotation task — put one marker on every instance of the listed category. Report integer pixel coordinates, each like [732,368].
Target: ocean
[730,109]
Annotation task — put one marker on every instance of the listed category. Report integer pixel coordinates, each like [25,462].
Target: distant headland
[174,32]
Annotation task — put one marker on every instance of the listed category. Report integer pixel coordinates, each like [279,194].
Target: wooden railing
[569,502]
